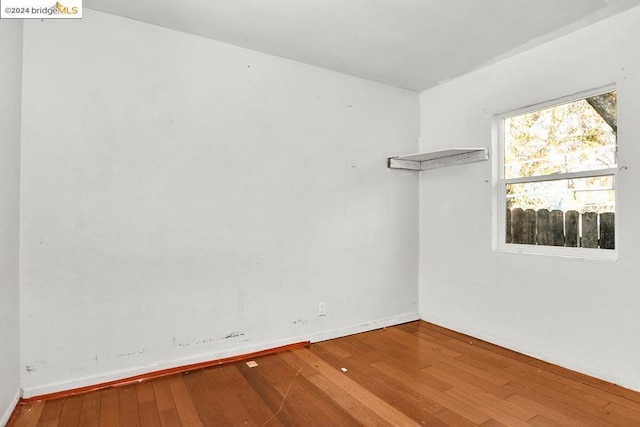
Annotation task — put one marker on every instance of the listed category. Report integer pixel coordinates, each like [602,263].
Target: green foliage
[567,138]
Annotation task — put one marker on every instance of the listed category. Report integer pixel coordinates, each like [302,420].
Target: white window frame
[500,199]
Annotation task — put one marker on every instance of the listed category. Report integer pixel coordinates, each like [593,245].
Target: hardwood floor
[411,374]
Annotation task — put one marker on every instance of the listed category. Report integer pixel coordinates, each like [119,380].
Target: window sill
[607,255]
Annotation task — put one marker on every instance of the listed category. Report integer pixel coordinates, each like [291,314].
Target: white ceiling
[412,44]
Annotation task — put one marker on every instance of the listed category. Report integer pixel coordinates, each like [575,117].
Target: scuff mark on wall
[136,352]
[234,335]
[230,335]
[34,366]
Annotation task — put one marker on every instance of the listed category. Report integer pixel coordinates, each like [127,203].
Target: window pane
[568,212]
[573,137]
[595,194]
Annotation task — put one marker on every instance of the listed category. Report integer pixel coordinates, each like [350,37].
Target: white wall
[10,90]
[576,313]
[184,200]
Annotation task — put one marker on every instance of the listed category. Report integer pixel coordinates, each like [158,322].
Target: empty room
[319,212]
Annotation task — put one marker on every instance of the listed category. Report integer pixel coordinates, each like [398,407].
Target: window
[558,163]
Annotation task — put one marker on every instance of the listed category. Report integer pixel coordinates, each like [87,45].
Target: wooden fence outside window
[557,228]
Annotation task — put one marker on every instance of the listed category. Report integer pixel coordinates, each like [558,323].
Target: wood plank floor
[411,374]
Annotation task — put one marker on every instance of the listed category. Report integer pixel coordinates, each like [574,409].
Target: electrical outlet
[322,308]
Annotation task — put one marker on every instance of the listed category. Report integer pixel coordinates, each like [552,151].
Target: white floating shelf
[438,159]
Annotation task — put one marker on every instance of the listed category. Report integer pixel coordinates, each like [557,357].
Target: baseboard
[10,410]
[536,358]
[363,327]
[81,385]
[84,385]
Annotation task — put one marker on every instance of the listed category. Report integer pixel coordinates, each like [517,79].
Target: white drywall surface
[10,94]
[185,200]
[580,314]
